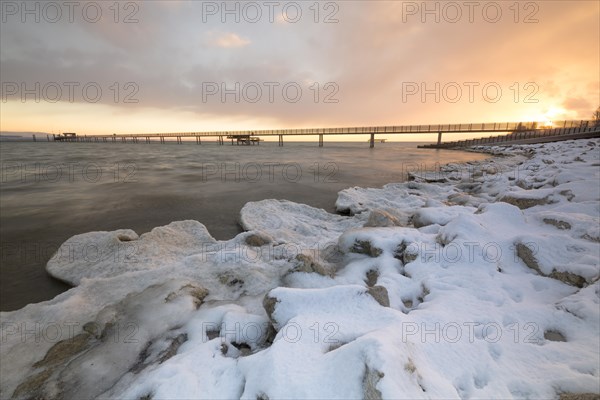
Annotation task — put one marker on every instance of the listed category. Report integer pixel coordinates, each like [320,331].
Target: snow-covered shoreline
[477,281]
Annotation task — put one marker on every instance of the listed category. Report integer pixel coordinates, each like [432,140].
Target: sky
[105,67]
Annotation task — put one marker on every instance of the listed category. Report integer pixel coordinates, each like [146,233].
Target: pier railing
[493,127]
[526,137]
[395,129]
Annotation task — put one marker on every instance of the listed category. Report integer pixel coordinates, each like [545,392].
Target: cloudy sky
[164,66]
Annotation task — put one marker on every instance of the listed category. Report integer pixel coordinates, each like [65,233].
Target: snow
[477,281]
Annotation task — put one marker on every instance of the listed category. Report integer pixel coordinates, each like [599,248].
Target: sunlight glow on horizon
[108,119]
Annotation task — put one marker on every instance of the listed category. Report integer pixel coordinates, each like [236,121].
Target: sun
[548,117]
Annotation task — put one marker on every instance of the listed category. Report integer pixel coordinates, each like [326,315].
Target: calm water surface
[52,191]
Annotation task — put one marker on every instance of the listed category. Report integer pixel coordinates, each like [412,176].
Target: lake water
[52,191]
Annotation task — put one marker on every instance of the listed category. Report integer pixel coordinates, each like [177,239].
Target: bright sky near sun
[166,66]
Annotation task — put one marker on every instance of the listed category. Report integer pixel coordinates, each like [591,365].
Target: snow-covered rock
[475,281]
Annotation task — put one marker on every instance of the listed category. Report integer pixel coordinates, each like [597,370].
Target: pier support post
[198,140]
[320,140]
[439,142]
[372,141]
[280,140]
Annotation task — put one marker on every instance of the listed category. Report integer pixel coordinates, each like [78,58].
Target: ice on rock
[373,242]
[258,239]
[108,254]
[394,198]
[438,215]
[293,223]
[324,305]
[381,218]
[528,198]
[308,263]
[112,344]
[560,257]
[584,303]
[482,282]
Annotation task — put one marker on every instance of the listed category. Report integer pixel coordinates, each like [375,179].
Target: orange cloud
[227,40]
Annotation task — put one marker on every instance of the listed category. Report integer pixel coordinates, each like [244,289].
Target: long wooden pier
[253,136]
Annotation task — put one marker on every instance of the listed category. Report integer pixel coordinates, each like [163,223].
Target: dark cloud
[370,54]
